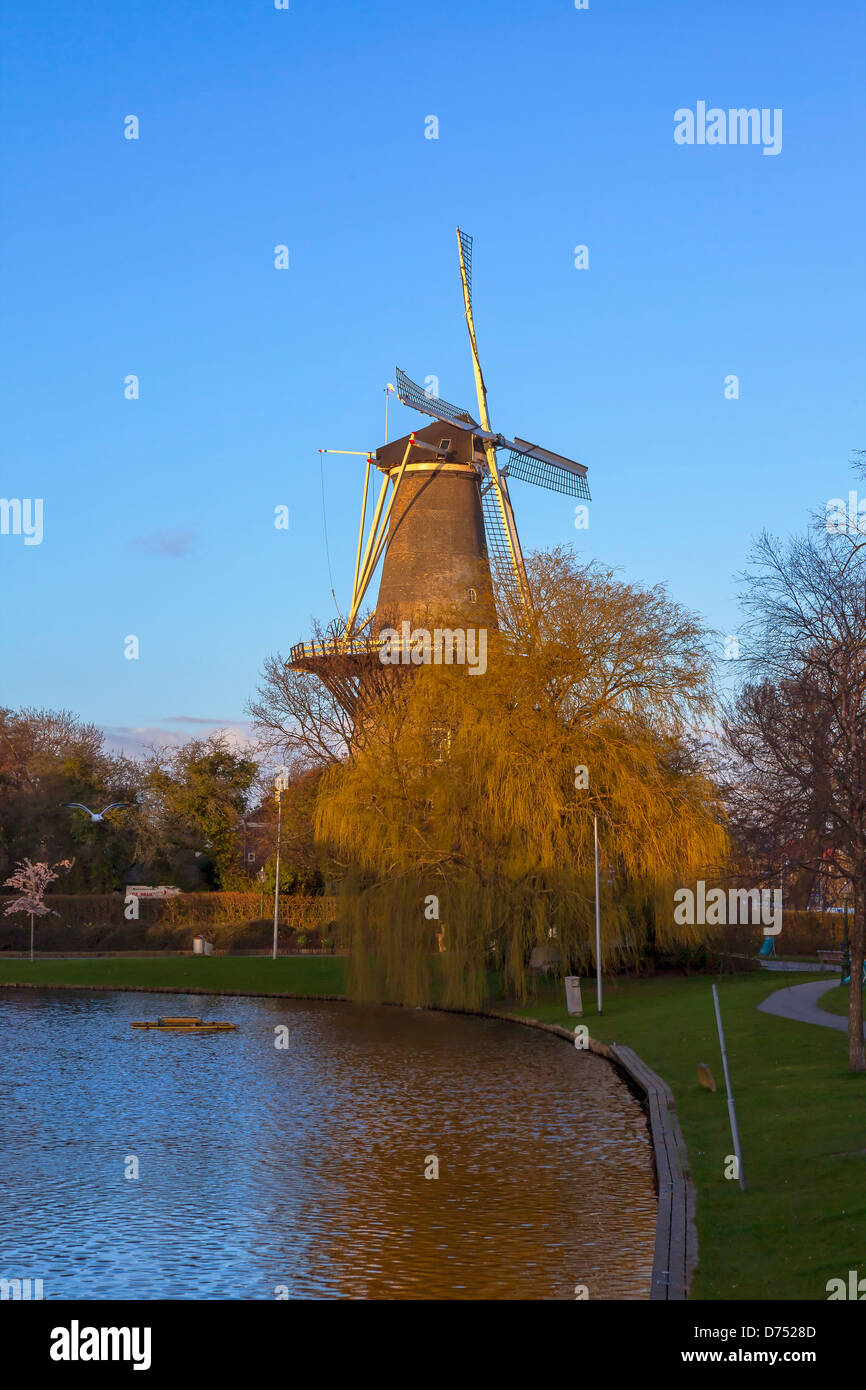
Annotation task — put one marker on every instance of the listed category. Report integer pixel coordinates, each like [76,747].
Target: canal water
[299,1171]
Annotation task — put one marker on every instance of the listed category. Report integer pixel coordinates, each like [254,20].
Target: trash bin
[573,1001]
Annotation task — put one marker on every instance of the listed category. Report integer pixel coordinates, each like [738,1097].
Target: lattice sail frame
[501,527]
[466,256]
[410,393]
[546,474]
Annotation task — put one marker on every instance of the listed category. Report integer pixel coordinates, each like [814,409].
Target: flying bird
[96,815]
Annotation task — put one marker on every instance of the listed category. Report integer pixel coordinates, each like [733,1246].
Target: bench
[828,958]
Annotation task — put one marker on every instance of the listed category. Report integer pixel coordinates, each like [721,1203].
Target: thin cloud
[133,741]
[195,719]
[171,544]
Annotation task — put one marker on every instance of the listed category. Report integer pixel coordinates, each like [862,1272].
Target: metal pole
[363,519]
[735,1133]
[277,879]
[597,919]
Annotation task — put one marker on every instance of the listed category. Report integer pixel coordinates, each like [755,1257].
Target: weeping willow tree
[464,817]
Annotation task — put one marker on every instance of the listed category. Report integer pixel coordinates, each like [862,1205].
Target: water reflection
[304,1167]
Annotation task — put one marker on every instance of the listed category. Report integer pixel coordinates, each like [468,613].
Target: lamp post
[597,919]
[280,784]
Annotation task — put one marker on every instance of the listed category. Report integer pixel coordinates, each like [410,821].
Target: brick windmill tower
[442,527]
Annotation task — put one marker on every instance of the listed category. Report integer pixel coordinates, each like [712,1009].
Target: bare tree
[297,718]
[311,718]
[797,725]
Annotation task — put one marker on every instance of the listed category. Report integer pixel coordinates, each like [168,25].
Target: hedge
[96,922]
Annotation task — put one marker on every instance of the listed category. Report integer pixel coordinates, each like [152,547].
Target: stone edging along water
[676,1245]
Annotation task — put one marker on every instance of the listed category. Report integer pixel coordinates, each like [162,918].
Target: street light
[281,781]
[597,919]
[563,809]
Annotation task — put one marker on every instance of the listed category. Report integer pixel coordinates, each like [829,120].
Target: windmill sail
[531,468]
[410,393]
[507,588]
[502,529]
[466,257]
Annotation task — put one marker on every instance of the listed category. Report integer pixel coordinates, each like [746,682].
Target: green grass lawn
[835,1001]
[228,974]
[802,1117]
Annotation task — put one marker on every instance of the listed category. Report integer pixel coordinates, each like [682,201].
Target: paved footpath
[800,1002]
[803,965]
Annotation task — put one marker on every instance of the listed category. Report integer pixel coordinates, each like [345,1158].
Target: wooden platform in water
[186,1025]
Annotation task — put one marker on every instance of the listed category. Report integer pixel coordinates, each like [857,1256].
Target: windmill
[443,523]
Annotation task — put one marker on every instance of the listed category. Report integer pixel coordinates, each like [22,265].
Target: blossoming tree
[32,880]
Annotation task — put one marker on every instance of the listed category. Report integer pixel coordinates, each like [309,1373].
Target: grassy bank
[302,975]
[802,1219]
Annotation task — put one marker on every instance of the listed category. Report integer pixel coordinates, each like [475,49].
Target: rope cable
[325,529]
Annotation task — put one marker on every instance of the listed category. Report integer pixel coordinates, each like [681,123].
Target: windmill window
[472,595]
[444,443]
[441,740]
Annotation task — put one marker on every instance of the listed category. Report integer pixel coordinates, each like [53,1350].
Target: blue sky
[305,127]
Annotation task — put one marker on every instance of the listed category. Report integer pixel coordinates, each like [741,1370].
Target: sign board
[142,890]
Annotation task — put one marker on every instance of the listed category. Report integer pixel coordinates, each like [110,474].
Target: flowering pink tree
[32,880]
